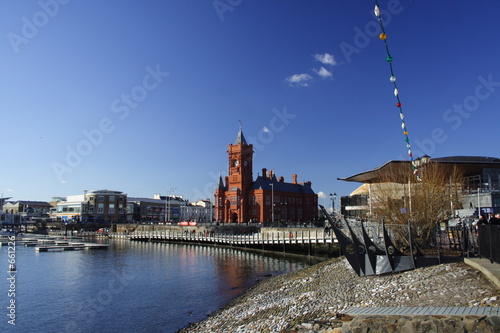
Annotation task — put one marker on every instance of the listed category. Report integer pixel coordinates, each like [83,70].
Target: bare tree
[400,196]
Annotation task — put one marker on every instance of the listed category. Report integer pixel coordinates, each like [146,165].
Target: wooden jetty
[70,247]
[49,243]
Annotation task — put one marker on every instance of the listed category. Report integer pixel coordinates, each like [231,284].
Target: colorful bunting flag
[399,105]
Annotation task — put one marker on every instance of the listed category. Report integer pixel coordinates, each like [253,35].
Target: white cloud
[322,195]
[299,80]
[326,59]
[323,72]
[266,130]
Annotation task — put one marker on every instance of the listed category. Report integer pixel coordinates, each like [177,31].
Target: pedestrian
[495,220]
[482,221]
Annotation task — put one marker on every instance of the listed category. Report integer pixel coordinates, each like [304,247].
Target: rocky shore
[311,300]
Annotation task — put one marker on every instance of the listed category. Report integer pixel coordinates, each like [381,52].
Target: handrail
[278,237]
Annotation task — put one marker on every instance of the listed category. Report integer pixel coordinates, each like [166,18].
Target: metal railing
[278,237]
[489,242]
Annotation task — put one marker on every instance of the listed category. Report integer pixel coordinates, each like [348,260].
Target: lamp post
[333,197]
[211,205]
[272,202]
[167,202]
[478,202]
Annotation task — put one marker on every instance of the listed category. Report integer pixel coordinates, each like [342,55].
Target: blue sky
[145,96]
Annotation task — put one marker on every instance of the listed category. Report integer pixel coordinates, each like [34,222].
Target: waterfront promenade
[315,236]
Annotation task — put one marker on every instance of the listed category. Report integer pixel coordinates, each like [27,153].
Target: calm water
[131,287]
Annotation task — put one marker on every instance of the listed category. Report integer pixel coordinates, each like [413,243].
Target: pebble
[311,300]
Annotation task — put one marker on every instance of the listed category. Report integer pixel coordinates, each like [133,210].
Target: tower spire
[221,186]
[240,138]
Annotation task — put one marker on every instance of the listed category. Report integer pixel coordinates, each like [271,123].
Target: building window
[100,198]
[100,208]
[111,209]
[91,209]
[111,198]
[268,200]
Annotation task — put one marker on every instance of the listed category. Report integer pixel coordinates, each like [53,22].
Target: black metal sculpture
[365,257]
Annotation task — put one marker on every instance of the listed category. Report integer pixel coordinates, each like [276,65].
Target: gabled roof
[262,183]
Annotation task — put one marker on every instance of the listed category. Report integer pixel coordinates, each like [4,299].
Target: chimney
[281,179]
[294,178]
[271,174]
[264,173]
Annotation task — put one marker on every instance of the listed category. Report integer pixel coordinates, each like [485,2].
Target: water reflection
[134,286]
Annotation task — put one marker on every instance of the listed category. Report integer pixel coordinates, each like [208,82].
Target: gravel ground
[314,297]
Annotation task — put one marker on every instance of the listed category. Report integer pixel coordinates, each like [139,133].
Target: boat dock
[50,243]
[70,247]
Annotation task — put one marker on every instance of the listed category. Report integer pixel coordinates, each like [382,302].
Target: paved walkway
[423,311]
[490,270]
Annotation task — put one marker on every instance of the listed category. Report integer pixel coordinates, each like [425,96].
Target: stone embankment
[312,300]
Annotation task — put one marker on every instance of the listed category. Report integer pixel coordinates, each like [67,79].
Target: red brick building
[241,199]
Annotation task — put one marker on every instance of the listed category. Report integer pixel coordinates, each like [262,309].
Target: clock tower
[240,155]
[241,199]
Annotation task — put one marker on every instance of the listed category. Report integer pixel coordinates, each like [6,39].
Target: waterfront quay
[306,240]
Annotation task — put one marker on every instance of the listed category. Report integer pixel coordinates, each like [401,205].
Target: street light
[167,213]
[211,206]
[333,197]
[272,202]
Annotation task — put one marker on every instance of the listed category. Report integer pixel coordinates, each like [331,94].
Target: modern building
[28,209]
[173,204]
[101,206]
[240,199]
[481,192]
[145,209]
[157,209]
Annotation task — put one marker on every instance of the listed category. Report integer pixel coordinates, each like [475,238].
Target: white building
[199,211]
